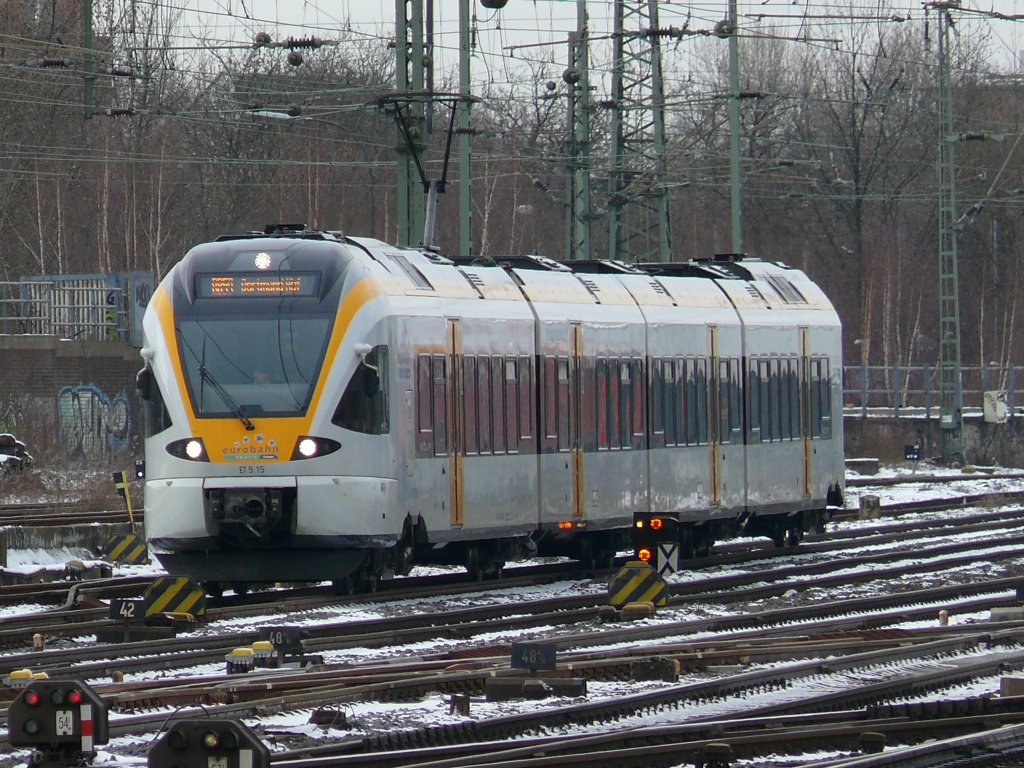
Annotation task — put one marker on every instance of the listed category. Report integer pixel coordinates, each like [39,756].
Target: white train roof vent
[476,281]
[659,288]
[755,292]
[591,286]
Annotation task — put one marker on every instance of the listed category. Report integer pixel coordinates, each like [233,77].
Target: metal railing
[914,390]
[72,309]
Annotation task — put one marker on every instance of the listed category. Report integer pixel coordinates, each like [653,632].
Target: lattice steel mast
[638,198]
[950,381]
[578,198]
[410,77]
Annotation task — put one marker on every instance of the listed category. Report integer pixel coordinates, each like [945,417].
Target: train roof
[731,278]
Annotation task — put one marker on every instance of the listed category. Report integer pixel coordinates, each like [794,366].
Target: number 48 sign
[533,656]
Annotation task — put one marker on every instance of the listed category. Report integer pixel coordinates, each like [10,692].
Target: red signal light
[31,698]
[657,523]
[74,696]
[644,554]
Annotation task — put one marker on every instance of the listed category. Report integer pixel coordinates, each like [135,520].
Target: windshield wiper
[205,375]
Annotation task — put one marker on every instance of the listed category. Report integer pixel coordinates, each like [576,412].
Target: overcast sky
[529,22]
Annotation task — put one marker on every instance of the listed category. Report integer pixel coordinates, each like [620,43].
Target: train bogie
[329,408]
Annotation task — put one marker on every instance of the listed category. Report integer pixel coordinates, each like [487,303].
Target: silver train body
[322,407]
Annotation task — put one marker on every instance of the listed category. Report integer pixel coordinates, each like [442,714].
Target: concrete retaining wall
[70,400]
[884,438]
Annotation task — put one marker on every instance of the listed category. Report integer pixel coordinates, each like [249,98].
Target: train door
[456,415]
[714,422]
[805,409]
[576,418]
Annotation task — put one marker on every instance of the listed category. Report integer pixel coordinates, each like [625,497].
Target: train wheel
[369,582]
[494,569]
[481,564]
[474,563]
[793,537]
[346,586]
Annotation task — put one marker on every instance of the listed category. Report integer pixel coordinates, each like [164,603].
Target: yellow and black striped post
[126,548]
[637,582]
[121,484]
[174,594]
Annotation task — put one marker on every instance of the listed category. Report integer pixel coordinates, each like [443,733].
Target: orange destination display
[254,284]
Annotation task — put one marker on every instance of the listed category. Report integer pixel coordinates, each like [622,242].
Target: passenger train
[323,407]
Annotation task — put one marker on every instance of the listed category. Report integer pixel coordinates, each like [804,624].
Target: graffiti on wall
[92,425]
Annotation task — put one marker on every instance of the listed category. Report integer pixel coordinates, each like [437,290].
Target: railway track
[80,610]
[833,615]
[65,513]
[746,636]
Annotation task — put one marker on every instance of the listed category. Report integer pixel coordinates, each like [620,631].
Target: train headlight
[307,447]
[191,448]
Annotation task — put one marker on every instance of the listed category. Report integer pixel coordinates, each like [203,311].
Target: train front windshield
[250,365]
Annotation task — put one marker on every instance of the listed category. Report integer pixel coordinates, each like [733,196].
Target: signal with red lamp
[63,720]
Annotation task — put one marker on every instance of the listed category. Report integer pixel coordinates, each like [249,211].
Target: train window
[675,418]
[666,410]
[364,405]
[410,271]
[154,415]
[484,398]
[525,399]
[690,388]
[601,404]
[550,400]
[824,397]
[753,393]
[701,368]
[794,397]
[511,406]
[764,374]
[724,400]
[470,403]
[785,398]
[639,429]
[735,398]
[563,407]
[621,403]
[656,403]
[439,401]
[788,292]
[684,399]
[228,374]
[814,397]
[424,409]
[498,403]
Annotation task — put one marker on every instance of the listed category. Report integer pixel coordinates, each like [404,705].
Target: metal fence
[914,390]
[78,307]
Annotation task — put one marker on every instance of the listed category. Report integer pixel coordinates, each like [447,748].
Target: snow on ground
[370,717]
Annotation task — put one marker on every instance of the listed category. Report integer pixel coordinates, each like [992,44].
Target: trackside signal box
[209,743]
[656,540]
[63,719]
